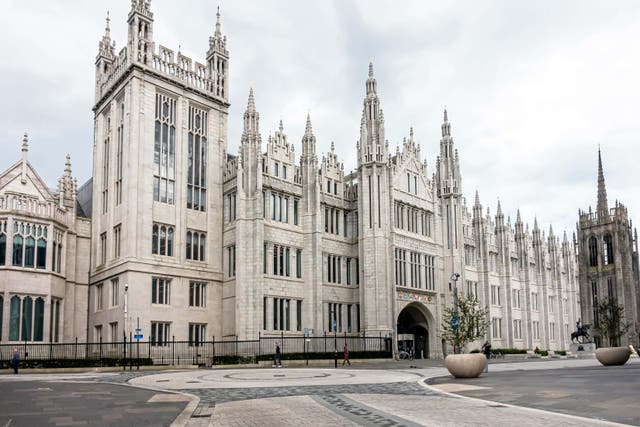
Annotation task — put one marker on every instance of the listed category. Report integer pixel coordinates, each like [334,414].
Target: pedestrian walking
[486,349]
[346,355]
[277,361]
[15,360]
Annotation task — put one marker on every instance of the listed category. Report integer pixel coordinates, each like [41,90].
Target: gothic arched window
[607,249]
[593,252]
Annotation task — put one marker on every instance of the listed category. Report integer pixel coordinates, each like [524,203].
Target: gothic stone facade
[44,257]
[191,241]
[608,264]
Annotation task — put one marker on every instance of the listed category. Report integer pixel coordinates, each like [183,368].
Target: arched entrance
[413,331]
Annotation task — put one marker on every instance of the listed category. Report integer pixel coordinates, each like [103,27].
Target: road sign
[335,325]
[455,322]
[138,334]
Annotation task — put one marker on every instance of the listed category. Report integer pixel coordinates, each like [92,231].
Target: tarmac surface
[554,392]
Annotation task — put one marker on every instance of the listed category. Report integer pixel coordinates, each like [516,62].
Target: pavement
[558,392]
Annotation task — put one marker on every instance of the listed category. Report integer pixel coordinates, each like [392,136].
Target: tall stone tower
[159,149]
[608,263]
[376,296]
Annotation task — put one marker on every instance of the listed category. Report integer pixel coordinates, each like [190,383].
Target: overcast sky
[531,88]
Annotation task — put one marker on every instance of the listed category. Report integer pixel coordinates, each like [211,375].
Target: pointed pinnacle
[67,165]
[25,142]
[411,132]
[280,126]
[218,22]
[251,104]
[333,148]
[477,199]
[550,230]
[518,219]
[308,130]
[535,223]
[107,28]
[499,211]
[370,70]
[446,116]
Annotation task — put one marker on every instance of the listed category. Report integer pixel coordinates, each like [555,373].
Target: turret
[372,146]
[448,163]
[250,146]
[140,22]
[106,55]
[218,61]
[67,186]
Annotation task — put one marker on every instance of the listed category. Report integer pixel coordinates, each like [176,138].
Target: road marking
[8,422]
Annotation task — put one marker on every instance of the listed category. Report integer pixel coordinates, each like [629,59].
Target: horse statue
[581,332]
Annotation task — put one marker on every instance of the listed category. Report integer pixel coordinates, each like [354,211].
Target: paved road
[44,403]
[610,393]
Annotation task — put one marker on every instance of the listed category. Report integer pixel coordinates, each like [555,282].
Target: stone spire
[25,151]
[251,131]
[477,207]
[372,146]
[446,126]
[371,81]
[218,33]
[603,209]
[308,141]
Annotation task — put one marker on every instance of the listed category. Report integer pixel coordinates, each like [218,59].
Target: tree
[471,322]
[611,324]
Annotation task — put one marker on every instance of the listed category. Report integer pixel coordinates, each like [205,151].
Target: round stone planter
[465,365]
[611,356]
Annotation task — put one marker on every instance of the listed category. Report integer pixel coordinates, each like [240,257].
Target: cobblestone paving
[213,396]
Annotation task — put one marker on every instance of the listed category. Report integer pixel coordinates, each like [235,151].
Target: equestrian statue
[581,334]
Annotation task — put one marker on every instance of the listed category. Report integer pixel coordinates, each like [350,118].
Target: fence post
[213,348]
[259,346]
[325,341]
[75,350]
[50,350]
[364,338]
[130,350]
[236,347]
[149,347]
[173,350]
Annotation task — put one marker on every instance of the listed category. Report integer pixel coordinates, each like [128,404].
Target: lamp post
[455,323]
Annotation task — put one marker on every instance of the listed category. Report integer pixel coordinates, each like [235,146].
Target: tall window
[160,334]
[160,291]
[281,261]
[29,245]
[197,160]
[593,252]
[195,245]
[231,261]
[295,211]
[594,302]
[298,263]
[197,294]
[99,296]
[56,258]
[164,150]
[115,292]
[197,334]
[26,324]
[113,328]
[607,249]
[162,240]
[116,240]
[103,248]
[119,152]
[231,206]
[496,327]
[495,295]
[105,166]
[3,244]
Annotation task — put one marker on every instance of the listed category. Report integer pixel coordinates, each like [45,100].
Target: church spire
[603,209]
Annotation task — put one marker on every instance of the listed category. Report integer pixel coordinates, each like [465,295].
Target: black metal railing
[203,353]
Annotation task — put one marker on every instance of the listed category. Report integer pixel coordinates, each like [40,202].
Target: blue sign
[138,334]
[335,325]
[455,322]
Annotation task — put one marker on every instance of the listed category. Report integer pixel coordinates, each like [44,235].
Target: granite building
[205,243]
[608,264]
[191,241]
[44,256]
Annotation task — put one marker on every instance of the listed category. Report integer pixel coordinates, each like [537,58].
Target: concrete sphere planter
[611,356]
[465,365]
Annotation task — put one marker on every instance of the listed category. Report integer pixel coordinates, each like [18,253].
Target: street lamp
[455,323]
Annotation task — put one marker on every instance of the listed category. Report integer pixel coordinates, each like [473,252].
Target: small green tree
[471,318]
[611,324]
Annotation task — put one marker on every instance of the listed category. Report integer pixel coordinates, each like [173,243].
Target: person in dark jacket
[15,360]
[486,349]
[277,360]
[346,355]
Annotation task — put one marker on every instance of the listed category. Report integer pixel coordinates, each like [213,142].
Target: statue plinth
[587,349]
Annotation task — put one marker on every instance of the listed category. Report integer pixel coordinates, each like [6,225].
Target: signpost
[138,337]
[335,341]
